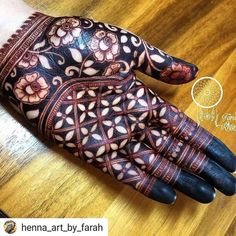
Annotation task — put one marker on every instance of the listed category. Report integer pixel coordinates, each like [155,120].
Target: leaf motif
[92,114]
[59,124]
[91,105]
[76,55]
[82,117]
[69,135]
[69,109]
[44,61]
[105,103]
[39,45]
[120,176]
[131,104]
[154,100]
[105,111]
[70,121]
[85,140]
[157,58]
[113,155]
[90,71]
[117,166]
[91,93]
[126,49]
[162,112]
[117,109]
[142,102]
[114,146]
[141,59]
[121,129]
[97,136]
[139,161]
[88,63]
[110,132]
[136,147]
[81,107]
[140,92]
[122,144]
[94,128]
[100,151]
[80,94]
[132,172]
[158,142]
[58,138]
[163,121]
[156,133]
[107,122]
[116,101]
[71,145]
[84,131]
[32,114]
[88,154]
[151,158]
[128,165]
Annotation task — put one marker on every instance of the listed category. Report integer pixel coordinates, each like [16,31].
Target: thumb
[158,64]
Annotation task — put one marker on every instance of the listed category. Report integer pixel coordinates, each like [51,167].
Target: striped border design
[19,43]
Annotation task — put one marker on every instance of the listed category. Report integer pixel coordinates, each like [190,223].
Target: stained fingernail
[220,178]
[195,187]
[221,154]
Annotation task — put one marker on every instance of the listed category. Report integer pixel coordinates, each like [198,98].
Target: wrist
[13,13]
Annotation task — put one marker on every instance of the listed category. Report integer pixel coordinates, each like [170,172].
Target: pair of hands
[74,80]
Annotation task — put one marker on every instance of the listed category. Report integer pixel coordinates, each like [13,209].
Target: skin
[19,11]
[143,136]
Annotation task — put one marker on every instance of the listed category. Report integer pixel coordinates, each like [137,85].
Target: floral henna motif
[104,46]
[29,60]
[175,71]
[31,88]
[64,32]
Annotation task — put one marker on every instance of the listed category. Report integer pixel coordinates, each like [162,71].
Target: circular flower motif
[136,99]
[104,46]
[29,60]
[64,31]
[31,88]
[176,71]
[114,125]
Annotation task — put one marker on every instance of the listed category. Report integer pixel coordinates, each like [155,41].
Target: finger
[189,158]
[158,64]
[184,128]
[146,159]
[117,165]
[220,153]
[219,177]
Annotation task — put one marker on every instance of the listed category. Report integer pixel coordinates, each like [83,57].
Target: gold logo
[207,92]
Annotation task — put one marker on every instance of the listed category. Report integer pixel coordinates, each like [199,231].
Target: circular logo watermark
[10,226]
[207,92]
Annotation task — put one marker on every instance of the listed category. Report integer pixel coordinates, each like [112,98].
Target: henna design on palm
[74,79]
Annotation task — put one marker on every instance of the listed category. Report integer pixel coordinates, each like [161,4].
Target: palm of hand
[77,84]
